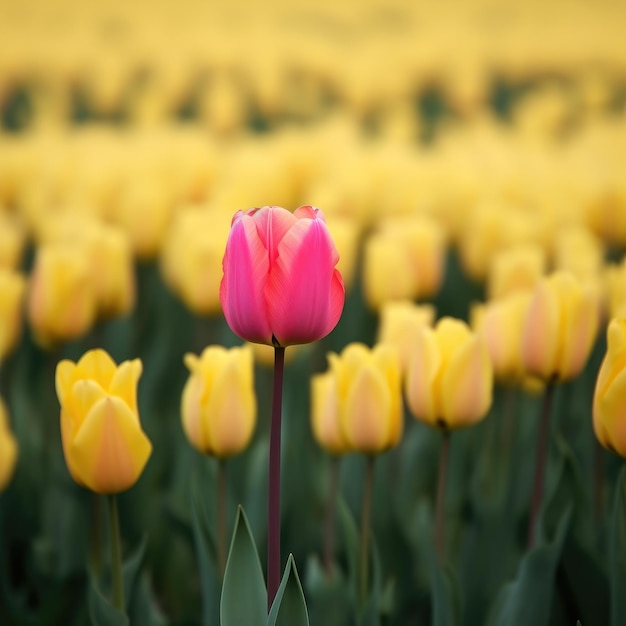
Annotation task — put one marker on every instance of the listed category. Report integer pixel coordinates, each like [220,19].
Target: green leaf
[528,599]
[244,597]
[328,594]
[445,593]
[618,553]
[289,606]
[131,568]
[101,611]
[144,609]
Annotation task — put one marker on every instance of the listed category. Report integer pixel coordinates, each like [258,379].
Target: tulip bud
[280,285]
[560,328]
[325,414]
[609,400]
[104,446]
[218,404]
[8,449]
[12,240]
[450,378]
[515,269]
[615,282]
[12,288]
[369,396]
[61,300]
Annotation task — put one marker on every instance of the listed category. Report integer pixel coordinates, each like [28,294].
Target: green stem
[366,514]
[116,555]
[222,507]
[96,533]
[440,516]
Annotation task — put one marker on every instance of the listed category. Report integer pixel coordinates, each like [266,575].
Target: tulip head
[218,404]
[369,396]
[560,328]
[325,414]
[12,288]
[280,284]
[449,383]
[8,449]
[515,269]
[609,400]
[104,446]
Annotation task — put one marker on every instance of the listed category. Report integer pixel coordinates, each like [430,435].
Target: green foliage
[289,606]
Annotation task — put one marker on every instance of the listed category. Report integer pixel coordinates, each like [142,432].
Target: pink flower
[280,285]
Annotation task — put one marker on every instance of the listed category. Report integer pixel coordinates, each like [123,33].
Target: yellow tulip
[369,396]
[218,404]
[8,449]
[12,240]
[609,400]
[12,288]
[399,323]
[615,282]
[325,414]
[560,328]
[450,378]
[104,446]
[515,269]
[61,300]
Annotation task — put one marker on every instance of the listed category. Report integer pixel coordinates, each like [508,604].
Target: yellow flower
[515,269]
[560,328]
[12,240]
[325,414]
[609,400]
[369,396]
[61,300]
[104,446]
[12,287]
[8,449]
[218,404]
[450,378]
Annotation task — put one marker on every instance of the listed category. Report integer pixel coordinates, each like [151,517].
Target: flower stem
[331,507]
[116,555]
[222,508]
[366,514]
[96,533]
[273,512]
[440,516]
[540,462]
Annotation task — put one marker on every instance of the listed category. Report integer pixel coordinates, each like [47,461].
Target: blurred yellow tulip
[218,404]
[61,299]
[615,284]
[8,449]
[104,446]
[609,400]
[325,414]
[515,269]
[369,395]
[560,328]
[12,288]
[12,240]
[450,378]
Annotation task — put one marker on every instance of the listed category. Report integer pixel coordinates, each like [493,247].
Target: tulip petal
[424,363]
[124,383]
[272,224]
[611,414]
[110,450]
[242,290]
[304,292]
[8,457]
[82,397]
[325,413]
[191,413]
[387,361]
[64,379]
[98,366]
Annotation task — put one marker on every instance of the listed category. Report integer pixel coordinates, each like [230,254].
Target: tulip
[515,269]
[12,288]
[325,414]
[609,408]
[450,377]
[12,240]
[61,300]
[104,446]
[560,328]
[280,285]
[218,404]
[8,449]
[369,396]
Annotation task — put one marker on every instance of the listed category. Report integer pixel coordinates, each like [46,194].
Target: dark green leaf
[101,611]
[289,606]
[244,597]
[131,569]
[618,553]
[445,593]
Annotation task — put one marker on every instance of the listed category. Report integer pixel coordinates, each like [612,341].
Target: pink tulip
[280,286]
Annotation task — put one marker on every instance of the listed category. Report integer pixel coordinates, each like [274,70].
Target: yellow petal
[325,414]
[8,457]
[611,415]
[124,382]
[386,359]
[424,363]
[110,450]
[64,379]
[83,395]
[191,412]
[97,365]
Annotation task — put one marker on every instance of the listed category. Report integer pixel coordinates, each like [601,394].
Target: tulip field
[312,314]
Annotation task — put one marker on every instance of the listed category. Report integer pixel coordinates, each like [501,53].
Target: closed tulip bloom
[450,378]
[369,391]
[609,400]
[12,240]
[8,449]
[615,284]
[104,446]
[515,269]
[280,284]
[61,299]
[12,288]
[218,404]
[560,328]
[325,414]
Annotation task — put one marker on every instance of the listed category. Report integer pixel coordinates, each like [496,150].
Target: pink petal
[246,266]
[305,293]
[272,224]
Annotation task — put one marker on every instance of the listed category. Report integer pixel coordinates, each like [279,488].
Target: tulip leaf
[446,595]
[618,553]
[328,595]
[289,606]
[244,596]
[101,610]
[528,599]
[131,568]
[143,608]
